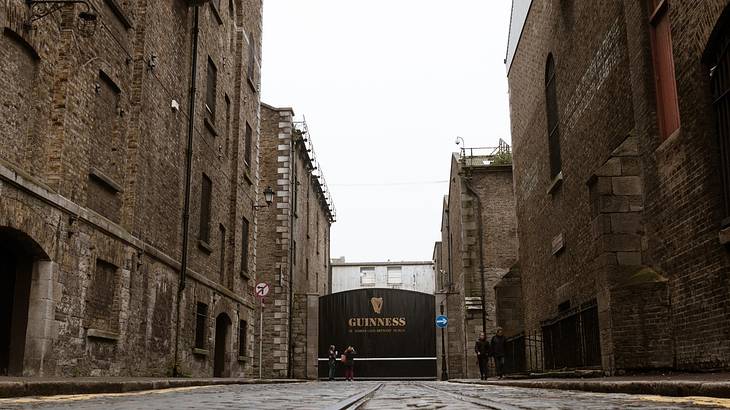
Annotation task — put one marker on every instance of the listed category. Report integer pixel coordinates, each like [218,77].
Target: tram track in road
[479,401]
[355,401]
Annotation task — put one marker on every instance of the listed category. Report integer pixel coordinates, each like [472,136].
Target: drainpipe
[473,193]
[292,195]
[188,175]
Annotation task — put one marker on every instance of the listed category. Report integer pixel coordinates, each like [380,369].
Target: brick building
[294,246]
[93,137]
[478,247]
[620,133]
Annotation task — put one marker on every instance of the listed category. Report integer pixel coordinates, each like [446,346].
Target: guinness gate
[393,332]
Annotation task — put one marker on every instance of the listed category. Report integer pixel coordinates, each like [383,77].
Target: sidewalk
[678,385]
[30,386]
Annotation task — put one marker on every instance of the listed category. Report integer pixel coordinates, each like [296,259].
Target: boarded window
[663,59]
[244,246]
[210,93]
[367,276]
[248,146]
[201,325]
[553,120]
[101,298]
[242,329]
[206,189]
[395,275]
[718,59]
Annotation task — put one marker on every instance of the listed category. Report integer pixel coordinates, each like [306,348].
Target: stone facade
[631,223]
[480,201]
[92,181]
[294,246]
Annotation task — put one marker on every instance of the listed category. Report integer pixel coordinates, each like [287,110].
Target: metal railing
[523,353]
[499,155]
[573,340]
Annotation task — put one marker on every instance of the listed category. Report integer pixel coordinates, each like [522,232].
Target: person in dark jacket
[349,354]
[481,348]
[332,362]
[497,346]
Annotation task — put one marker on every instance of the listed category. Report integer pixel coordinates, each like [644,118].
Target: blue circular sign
[441,321]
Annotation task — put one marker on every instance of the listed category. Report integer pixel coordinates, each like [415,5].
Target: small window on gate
[367,276]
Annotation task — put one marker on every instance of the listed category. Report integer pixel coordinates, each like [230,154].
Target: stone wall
[97,174]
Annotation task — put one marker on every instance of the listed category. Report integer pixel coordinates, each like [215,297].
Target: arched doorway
[18,255]
[222,330]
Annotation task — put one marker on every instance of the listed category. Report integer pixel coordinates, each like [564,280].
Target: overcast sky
[386,86]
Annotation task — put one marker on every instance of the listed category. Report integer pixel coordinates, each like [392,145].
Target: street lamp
[268,197]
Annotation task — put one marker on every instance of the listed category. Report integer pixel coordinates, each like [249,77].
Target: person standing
[481,347]
[332,361]
[349,356]
[498,342]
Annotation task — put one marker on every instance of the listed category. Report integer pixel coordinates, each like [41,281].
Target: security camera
[175,106]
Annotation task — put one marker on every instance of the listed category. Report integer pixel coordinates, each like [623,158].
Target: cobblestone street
[341,395]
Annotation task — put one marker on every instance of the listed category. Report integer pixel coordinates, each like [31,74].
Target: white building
[418,276]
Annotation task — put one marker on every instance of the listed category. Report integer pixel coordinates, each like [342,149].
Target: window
[251,61]
[367,276]
[244,247]
[295,192]
[102,310]
[242,328]
[201,323]
[211,90]
[247,147]
[205,197]
[222,261]
[553,120]
[717,56]
[306,264]
[663,59]
[395,275]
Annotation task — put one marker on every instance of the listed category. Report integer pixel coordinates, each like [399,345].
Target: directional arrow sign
[262,289]
[441,321]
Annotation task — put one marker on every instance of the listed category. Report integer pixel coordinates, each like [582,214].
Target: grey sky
[386,86]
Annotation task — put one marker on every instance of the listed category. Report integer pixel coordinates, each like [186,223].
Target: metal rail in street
[490,404]
[356,401]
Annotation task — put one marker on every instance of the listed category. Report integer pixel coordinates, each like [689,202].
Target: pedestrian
[497,348]
[481,348]
[332,361]
[348,359]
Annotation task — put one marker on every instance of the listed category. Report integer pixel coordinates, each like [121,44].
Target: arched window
[553,121]
[717,57]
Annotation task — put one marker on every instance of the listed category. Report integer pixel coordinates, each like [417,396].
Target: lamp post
[268,198]
[444,372]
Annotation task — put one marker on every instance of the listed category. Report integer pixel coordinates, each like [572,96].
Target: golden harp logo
[377,304]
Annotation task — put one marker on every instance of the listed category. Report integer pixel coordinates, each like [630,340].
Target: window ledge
[252,85]
[102,334]
[200,352]
[205,246]
[555,183]
[247,177]
[210,126]
[669,142]
[105,179]
[216,13]
[119,13]
[242,359]
[245,275]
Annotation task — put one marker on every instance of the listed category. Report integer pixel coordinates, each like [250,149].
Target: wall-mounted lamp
[459,141]
[87,18]
[268,197]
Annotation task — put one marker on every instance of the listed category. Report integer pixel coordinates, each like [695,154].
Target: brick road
[389,395]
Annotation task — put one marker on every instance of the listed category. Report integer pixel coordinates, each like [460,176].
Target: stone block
[629,185]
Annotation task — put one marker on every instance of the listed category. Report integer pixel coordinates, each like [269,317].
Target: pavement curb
[70,387]
[661,388]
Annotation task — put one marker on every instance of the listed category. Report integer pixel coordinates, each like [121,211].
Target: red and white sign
[262,289]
